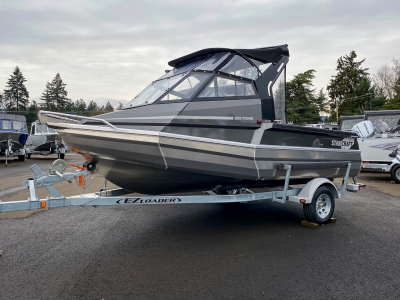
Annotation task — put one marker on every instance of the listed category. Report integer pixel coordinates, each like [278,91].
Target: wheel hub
[323,205]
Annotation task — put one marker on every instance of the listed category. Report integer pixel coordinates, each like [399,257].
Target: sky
[111,50]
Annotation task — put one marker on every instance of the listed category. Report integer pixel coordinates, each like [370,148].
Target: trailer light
[259,121]
[42,204]
[303,201]
[80,180]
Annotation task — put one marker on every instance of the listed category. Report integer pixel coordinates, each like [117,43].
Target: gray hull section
[151,162]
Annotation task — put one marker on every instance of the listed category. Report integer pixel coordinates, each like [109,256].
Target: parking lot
[199,251]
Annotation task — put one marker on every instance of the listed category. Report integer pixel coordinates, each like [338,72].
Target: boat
[43,140]
[215,122]
[347,122]
[381,139]
[13,135]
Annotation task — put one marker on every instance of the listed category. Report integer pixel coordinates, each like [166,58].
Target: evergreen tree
[59,93]
[31,115]
[48,102]
[342,85]
[16,96]
[80,107]
[302,105]
[93,109]
[108,107]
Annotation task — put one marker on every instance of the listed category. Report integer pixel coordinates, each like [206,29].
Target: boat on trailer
[13,136]
[44,141]
[216,122]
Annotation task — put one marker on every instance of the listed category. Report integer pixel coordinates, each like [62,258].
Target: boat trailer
[317,195]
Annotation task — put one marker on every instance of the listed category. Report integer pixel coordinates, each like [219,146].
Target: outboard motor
[364,129]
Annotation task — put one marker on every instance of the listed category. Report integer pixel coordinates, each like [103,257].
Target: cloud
[114,49]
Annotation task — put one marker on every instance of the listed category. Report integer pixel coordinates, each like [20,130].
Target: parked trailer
[317,196]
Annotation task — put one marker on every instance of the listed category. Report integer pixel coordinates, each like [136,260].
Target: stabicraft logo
[148,200]
[344,144]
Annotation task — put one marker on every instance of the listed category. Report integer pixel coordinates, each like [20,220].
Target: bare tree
[385,78]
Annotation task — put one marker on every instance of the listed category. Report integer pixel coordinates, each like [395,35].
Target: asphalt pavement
[204,251]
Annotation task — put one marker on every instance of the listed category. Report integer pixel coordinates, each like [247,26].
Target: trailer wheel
[395,172]
[321,208]
[21,157]
[62,155]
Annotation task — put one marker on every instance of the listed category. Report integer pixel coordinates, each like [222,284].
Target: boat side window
[41,128]
[213,62]
[278,92]
[153,91]
[6,124]
[224,87]
[186,88]
[19,125]
[240,67]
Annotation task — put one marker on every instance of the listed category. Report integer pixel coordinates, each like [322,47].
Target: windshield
[40,128]
[6,124]
[153,91]
[19,125]
[347,125]
[384,123]
[187,87]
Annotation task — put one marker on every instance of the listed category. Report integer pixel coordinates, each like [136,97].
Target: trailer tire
[321,208]
[62,155]
[21,157]
[395,173]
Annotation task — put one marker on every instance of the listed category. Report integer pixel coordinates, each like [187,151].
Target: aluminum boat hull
[155,162]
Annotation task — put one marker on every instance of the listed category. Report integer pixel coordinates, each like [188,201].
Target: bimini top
[266,55]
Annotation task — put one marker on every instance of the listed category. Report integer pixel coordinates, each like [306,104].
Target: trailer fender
[308,191]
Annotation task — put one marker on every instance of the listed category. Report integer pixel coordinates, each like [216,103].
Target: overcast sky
[114,49]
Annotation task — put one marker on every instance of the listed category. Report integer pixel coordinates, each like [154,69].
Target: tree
[385,78]
[394,103]
[119,107]
[108,107]
[302,104]
[31,115]
[48,101]
[342,85]
[80,107]
[93,109]
[16,96]
[59,93]
[55,96]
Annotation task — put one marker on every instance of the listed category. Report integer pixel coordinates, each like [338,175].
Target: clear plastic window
[213,62]
[260,65]
[18,125]
[187,87]
[240,67]
[41,128]
[153,91]
[6,124]
[224,87]
[186,66]
[278,92]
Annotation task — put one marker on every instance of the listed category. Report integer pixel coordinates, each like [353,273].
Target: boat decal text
[344,144]
[148,200]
